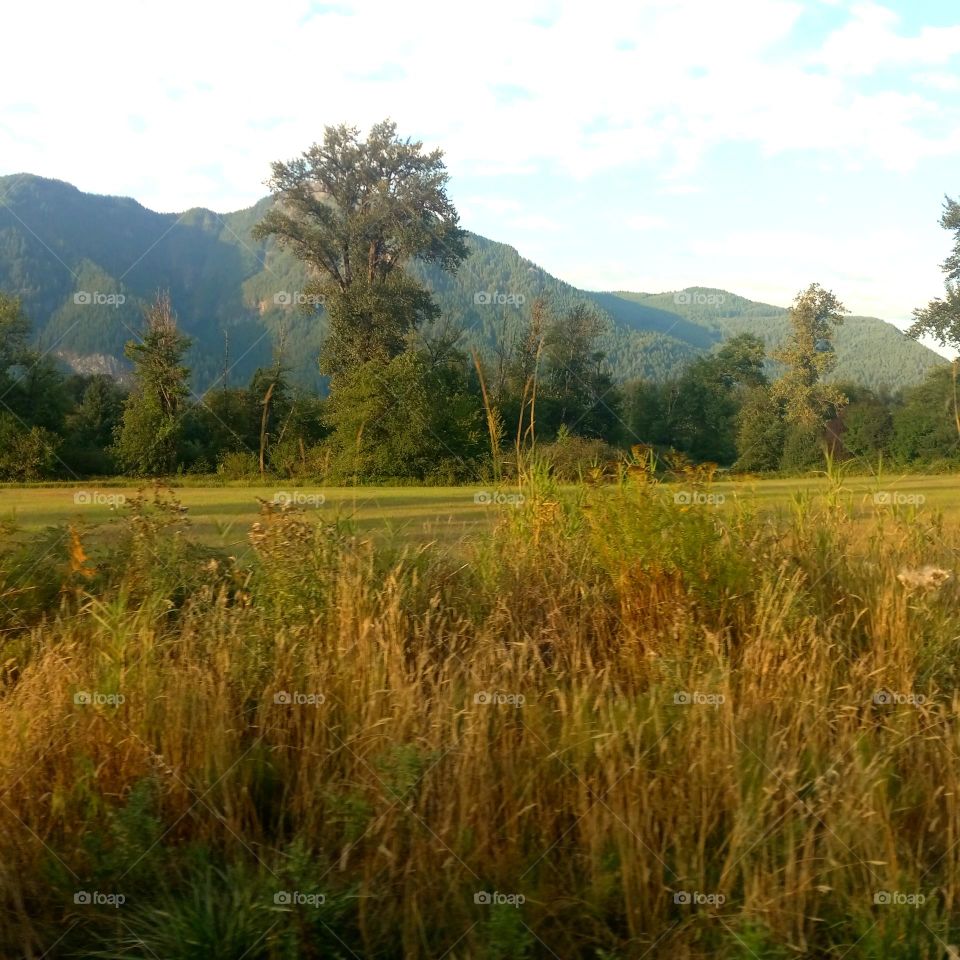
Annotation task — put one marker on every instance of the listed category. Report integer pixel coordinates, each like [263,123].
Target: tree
[149,437]
[867,427]
[26,453]
[940,318]
[576,391]
[355,212]
[924,427]
[410,416]
[741,360]
[14,333]
[703,415]
[91,424]
[808,357]
[760,431]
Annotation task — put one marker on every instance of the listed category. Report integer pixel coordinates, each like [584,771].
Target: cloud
[870,41]
[659,86]
[643,221]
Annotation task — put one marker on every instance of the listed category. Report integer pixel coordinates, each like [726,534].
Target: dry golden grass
[670,731]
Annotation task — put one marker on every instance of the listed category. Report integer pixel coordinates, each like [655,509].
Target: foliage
[324,752]
[808,357]
[150,434]
[940,319]
[355,212]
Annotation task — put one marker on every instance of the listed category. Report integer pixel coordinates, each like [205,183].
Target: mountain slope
[87,265]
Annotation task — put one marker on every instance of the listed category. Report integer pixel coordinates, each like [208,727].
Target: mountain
[86,266]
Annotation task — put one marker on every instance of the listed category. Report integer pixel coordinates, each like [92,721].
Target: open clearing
[222,515]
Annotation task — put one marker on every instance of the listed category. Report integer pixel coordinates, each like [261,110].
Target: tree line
[406,401]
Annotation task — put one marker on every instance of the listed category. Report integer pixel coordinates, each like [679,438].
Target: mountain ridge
[234,295]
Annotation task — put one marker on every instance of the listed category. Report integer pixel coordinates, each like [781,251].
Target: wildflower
[927,577]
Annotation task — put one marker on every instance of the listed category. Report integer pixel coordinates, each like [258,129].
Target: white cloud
[643,221]
[659,83]
[188,104]
[870,41]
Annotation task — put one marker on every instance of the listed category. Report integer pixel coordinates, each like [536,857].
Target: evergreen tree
[148,441]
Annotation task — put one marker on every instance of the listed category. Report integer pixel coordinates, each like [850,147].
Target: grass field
[613,723]
[221,515]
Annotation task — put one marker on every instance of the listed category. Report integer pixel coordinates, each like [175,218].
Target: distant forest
[373,339]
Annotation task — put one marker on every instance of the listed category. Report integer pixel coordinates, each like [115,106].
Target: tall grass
[618,726]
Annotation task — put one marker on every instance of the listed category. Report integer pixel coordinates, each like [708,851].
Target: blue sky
[756,146]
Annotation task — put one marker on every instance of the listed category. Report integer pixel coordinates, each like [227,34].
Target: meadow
[220,515]
[634,720]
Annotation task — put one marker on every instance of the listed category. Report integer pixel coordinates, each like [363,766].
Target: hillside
[233,295]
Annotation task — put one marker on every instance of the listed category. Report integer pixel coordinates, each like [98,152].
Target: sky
[755,146]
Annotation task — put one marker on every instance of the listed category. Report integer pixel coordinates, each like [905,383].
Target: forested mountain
[85,267]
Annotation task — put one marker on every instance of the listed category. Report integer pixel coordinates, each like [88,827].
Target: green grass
[602,705]
[221,515]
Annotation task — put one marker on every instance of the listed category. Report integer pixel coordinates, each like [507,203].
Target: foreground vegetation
[621,724]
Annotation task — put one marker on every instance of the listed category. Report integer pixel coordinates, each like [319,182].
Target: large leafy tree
[940,318]
[808,357]
[149,437]
[386,421]
[356,211]
[760,431]
[577,391]
[924,428]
